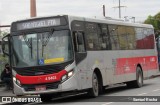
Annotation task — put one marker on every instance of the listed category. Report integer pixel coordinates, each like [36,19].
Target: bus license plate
[40,88]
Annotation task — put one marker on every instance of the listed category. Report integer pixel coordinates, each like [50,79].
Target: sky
[12,10]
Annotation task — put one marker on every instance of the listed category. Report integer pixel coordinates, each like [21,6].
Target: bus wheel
[139,78]
[94,91]
[46,97]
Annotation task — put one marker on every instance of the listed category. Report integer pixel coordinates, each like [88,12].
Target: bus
[60,54]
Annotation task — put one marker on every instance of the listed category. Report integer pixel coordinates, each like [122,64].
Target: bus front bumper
[68,85]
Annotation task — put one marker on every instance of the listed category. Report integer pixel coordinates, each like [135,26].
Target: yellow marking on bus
[96,61]
[53,60]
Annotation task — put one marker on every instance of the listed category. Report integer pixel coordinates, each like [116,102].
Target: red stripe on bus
[128,65]
[41,78]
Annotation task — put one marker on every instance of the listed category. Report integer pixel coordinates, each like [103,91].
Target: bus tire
[139,79]
[94,91]
[46,97]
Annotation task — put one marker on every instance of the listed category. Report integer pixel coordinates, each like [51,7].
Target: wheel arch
[99,75]
[139,65]
[100,79]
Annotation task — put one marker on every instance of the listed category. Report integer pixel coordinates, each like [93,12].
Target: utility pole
[33,12]
[119,7]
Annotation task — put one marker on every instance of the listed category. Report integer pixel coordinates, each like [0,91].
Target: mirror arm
[3,45]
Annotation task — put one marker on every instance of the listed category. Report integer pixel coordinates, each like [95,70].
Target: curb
[2,84]
[154,76]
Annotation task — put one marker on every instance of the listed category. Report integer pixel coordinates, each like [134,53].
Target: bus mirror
[80,39]
[5,48]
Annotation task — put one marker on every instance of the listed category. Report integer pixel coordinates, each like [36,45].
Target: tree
[3,33]
[155,21]
[3,60]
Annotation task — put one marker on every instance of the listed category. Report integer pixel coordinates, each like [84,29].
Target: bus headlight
[68,75]
[64,78]
[17,81]
[14,79]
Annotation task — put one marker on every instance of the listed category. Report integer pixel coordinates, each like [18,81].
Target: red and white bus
[59,54]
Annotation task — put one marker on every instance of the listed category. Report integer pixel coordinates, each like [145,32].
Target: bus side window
[79,39]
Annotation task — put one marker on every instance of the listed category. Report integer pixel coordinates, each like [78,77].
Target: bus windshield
[42,48]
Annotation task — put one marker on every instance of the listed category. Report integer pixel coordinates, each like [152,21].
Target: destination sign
[38,23]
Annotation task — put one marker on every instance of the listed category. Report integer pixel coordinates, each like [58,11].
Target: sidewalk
[3,91]
[1,84]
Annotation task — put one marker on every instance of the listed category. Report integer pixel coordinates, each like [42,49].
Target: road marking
[108,103]
[142,94]
[156,90]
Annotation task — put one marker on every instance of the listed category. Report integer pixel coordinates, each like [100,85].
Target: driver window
[79,39]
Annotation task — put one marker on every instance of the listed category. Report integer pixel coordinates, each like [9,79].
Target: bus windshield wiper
[28,43]
[45,40]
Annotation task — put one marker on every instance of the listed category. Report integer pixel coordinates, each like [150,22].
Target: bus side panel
[95,61]
[129,61]
[146,58]
[105,61]
[110,63]
[152,65]
[86,67]
[82,74]
[120,66]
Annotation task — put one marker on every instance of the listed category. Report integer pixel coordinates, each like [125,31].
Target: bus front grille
[33,71]
[41,70]
[48,86]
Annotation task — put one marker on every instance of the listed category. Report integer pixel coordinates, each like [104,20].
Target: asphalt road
[122,94]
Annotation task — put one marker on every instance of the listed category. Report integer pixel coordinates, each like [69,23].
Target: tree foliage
[3,33]
[3,59]
[155,21]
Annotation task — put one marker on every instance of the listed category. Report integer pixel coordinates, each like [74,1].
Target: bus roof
[103,20]
[110,21]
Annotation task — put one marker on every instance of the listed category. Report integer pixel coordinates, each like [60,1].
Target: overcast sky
[11,10]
